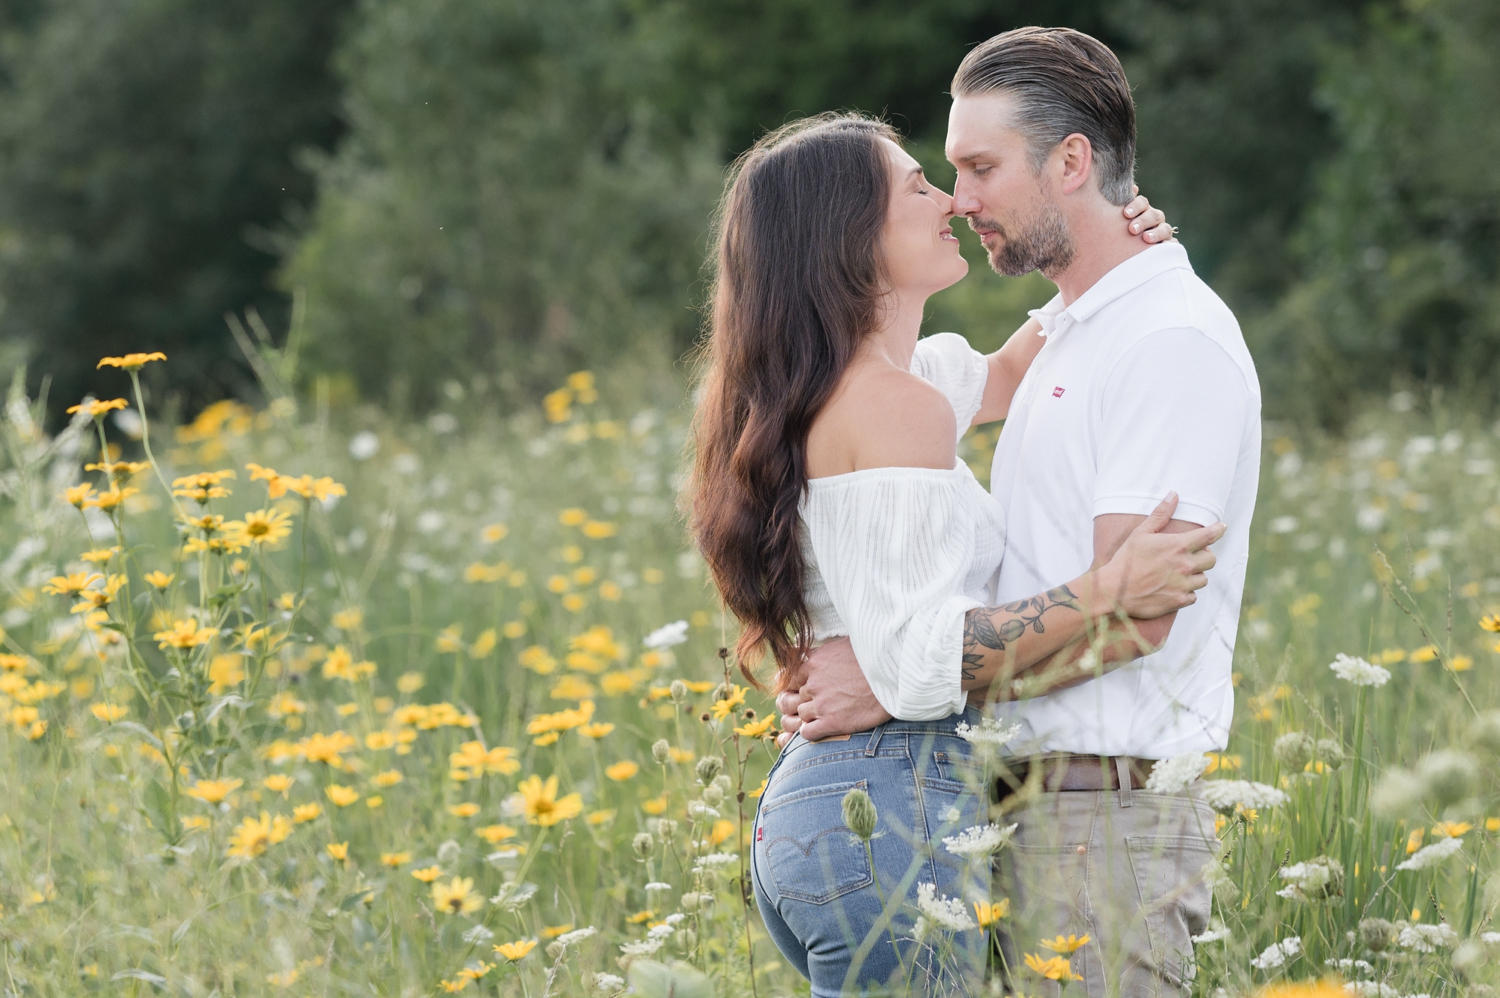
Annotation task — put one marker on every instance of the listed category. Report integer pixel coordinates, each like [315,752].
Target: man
[1144,386]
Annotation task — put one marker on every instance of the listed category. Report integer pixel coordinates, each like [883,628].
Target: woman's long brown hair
[797,285]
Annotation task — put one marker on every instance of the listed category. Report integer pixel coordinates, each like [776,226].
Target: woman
[828,500]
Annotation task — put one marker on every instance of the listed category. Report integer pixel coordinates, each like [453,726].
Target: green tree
[147,167]
[527,185]
[1400,249]
[516,195]
[1230,137]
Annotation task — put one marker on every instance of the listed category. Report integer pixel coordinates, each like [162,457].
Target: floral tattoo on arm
[983,634]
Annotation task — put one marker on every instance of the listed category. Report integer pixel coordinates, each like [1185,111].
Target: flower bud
[1448,775]
[1469,955]
[689,901]
[687,939]
[555,950]
[1397,795]
[667,828]
[708,768]
[712,795]
[1376,934]
[661,751]
[1330,751]
[723,691]
[679,691]
[449,852]
[1484,733]
[859,813]
[723,782]
[644,845]
[1294,750]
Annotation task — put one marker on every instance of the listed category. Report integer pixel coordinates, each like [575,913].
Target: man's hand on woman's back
[828,696]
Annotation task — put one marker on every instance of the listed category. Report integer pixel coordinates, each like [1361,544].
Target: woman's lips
[947,233]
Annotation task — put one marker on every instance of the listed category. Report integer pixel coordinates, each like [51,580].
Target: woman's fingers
[1151,218]
[1159,233]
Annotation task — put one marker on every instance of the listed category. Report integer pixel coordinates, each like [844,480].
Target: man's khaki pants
[1125,869]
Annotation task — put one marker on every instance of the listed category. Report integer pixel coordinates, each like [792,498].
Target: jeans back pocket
[808,851]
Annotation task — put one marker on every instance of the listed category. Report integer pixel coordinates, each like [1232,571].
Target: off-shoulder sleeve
[956,369]
[893,547]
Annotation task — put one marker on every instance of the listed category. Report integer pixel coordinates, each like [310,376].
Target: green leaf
[158,802]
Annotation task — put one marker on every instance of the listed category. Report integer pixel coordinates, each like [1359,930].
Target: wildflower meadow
[298,700]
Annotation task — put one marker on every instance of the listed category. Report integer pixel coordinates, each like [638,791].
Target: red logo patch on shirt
[1058,392]
[760,833]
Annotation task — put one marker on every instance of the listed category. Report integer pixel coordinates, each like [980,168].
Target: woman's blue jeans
[818,890]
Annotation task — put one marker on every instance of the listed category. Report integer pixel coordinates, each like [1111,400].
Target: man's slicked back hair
[1063,81]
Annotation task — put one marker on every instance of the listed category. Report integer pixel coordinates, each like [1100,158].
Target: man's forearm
[1102,648]
[1002,640]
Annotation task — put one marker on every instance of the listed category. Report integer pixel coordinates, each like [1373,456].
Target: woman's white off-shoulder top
[897,556]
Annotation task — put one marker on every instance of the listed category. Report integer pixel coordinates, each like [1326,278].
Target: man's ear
[1074,156]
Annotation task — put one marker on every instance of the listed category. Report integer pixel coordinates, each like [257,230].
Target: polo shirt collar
[1124,278]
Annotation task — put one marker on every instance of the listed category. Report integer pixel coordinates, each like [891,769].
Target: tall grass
[325,764]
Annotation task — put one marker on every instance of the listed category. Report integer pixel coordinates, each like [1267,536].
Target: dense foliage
[148,175]
[524,186]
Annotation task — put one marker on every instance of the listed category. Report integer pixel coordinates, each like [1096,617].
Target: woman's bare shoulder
[887,418]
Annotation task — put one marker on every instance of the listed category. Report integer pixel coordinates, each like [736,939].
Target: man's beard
[1042,244]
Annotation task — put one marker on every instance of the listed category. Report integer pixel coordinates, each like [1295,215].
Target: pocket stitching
[837,892]
[1174,965]
[811,792]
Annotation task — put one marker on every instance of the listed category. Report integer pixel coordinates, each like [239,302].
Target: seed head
[1449,775]
[859,813]
[1376,934]
[1294,750]
[709,767]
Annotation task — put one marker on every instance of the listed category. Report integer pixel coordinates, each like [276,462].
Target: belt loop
[874,742]
[1122,767]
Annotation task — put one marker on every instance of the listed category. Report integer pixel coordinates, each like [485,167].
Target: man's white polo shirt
[1143,387]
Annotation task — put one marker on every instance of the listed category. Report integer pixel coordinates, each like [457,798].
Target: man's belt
[1091,772]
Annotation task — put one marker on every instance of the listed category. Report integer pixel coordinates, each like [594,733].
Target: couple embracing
[1075,605]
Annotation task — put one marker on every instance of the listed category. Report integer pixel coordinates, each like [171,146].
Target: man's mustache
[983,225]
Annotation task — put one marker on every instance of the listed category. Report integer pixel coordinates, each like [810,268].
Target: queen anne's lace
[1359,672]
[1426,938]
[1226,795]
[577,935]
[1172,776]
[1432,855]
[1277,954]
[988,732]
[979,840]
[667,635]
[948,913]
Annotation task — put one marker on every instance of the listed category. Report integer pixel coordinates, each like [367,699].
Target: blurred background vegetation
[435,196]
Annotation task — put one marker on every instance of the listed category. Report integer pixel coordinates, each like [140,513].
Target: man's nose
[965,202]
